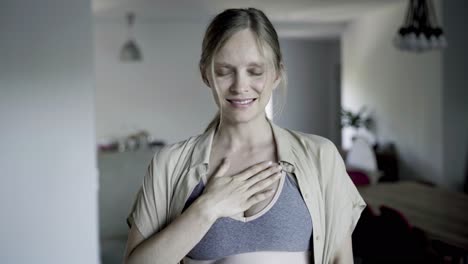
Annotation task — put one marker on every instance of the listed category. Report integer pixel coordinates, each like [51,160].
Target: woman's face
[244,78]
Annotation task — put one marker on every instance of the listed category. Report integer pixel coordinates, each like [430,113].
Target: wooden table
[441,213]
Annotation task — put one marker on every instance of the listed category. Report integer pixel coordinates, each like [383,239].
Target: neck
[235,137]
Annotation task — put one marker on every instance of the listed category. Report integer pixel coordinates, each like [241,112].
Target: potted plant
[357,120]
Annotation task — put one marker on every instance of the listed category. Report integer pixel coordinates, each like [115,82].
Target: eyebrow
[223,64]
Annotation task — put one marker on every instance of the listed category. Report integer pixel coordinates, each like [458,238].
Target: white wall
[455,93]
[312,102]
[48,190]
[404,89]
[164,94]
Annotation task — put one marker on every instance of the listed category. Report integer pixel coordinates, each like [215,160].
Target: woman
[246,190]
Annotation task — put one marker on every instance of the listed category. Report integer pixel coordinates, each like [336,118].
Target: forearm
[173,243]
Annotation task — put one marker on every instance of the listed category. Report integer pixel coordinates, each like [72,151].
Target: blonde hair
[225,25]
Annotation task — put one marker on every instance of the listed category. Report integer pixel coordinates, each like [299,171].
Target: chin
[242,117]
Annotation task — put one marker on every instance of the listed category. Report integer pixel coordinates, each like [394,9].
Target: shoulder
[172,153]
[312,143]
[315,154]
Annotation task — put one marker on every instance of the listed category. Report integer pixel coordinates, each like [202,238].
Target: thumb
[222,168]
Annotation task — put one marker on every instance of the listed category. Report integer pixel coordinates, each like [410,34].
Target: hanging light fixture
[420,31]
[130,51]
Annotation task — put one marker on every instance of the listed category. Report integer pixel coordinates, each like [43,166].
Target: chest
[239,162]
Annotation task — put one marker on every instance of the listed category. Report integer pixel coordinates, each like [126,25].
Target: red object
[359,178]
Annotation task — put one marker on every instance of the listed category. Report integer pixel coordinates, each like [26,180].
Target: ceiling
[294,16]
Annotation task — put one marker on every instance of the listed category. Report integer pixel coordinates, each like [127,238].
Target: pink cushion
[358,177]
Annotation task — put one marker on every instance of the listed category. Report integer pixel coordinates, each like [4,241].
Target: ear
[278,77]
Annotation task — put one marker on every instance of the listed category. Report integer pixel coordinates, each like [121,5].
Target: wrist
[205,209]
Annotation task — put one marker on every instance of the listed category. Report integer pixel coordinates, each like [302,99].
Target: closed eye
[256,72]
[223,71]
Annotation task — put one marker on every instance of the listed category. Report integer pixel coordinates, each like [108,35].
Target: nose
[240,84]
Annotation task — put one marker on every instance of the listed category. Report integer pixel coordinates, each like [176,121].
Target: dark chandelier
[420,31]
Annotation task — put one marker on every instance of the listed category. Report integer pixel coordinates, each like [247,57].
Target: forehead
[240,49]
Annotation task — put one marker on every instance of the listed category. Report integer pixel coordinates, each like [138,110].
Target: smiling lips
[241,103]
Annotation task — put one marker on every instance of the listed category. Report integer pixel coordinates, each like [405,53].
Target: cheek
[223,83]
[258,82]
[262,86]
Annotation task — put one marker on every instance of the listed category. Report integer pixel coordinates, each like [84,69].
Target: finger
[222,168]
[254,169]
[264,184]
[258,197]
[263,175]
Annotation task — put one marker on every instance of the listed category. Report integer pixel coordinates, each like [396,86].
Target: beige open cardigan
[334,203]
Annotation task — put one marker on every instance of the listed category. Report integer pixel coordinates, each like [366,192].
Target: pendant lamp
[420,31]
[130,51]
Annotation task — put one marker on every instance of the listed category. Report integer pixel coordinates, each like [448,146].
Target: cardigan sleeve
[343,202]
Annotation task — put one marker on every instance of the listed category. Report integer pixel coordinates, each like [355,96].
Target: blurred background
[90,90]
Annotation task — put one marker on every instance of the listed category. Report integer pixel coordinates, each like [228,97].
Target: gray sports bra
[283,226]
